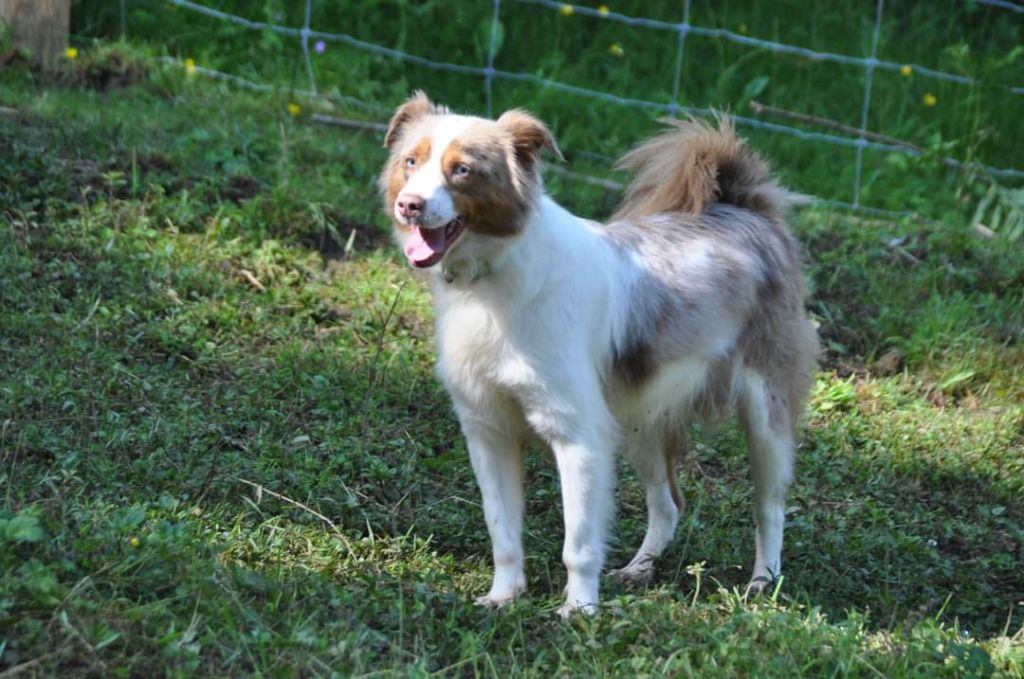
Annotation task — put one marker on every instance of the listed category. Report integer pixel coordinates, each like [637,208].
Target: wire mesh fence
[858,138]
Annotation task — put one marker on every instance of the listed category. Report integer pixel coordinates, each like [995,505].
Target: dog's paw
[496,601]
[634,574]
[569,610]
[762,584]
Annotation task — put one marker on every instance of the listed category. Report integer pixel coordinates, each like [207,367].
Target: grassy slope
[145,381]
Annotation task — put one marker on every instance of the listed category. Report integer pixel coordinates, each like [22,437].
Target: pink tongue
[425,246]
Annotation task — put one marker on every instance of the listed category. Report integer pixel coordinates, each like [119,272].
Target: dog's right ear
[416,106]
[529,135]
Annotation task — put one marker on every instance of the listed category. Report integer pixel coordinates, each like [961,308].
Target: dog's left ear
[416,106]
[529,135]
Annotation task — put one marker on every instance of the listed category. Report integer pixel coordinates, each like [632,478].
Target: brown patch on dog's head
[529,135]
[396,174]
[489,189]
[501,184]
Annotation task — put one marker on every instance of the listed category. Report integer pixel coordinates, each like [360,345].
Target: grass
[223,452]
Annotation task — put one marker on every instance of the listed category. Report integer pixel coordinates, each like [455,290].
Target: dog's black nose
[410,205]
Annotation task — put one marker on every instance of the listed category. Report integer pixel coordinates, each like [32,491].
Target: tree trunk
[41,26]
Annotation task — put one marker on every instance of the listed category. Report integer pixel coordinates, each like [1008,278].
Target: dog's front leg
[586,470]
[498,463]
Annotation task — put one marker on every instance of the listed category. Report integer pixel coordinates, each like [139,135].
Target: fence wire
[489,73]
[1004,4]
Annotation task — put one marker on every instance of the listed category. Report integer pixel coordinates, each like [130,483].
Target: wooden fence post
[40,26]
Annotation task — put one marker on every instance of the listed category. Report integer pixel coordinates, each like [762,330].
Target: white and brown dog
[688,304]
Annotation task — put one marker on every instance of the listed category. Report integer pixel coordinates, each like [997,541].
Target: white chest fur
[477,352]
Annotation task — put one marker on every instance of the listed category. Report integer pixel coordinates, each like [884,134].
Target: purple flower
[320,46]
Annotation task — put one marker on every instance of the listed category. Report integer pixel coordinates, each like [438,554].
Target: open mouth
[426,247]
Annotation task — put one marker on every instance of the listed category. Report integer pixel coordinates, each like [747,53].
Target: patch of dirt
[363,237]
[105,72]
[414,324]
[12,56]
[889,364]
[241,188]
[155,162]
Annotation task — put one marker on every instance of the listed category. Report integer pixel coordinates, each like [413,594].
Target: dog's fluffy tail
[695,164]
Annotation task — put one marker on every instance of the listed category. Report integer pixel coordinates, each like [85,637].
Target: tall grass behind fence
[944,83]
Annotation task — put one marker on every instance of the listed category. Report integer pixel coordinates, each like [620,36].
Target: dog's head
[459,183]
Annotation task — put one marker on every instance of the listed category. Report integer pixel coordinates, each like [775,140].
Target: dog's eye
[461,170]
[410,162]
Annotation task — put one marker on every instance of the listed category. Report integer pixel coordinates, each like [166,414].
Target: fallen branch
[983,231]
[760,108]
[348,122]
[896,245]
[260,489]
[26,666]
[252,280]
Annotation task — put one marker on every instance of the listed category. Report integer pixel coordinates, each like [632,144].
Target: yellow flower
[71,53]
[567,10]
[602,10]
[930,100]
[135,542]
[906,71]
[294,109]
[615,49]
[743,29]
[190,66]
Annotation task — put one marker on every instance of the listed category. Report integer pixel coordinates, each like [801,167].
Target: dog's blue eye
[461,170]
[410,162]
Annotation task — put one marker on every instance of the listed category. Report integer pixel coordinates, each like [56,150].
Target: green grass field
[223,451]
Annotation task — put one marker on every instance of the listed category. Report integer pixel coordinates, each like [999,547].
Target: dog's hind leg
[765,414]
[498,464]
[653,456]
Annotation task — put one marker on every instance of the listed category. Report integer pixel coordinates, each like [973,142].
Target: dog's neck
[466,272]
[553,243]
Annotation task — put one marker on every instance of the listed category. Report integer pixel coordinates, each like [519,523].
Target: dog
[687,305]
